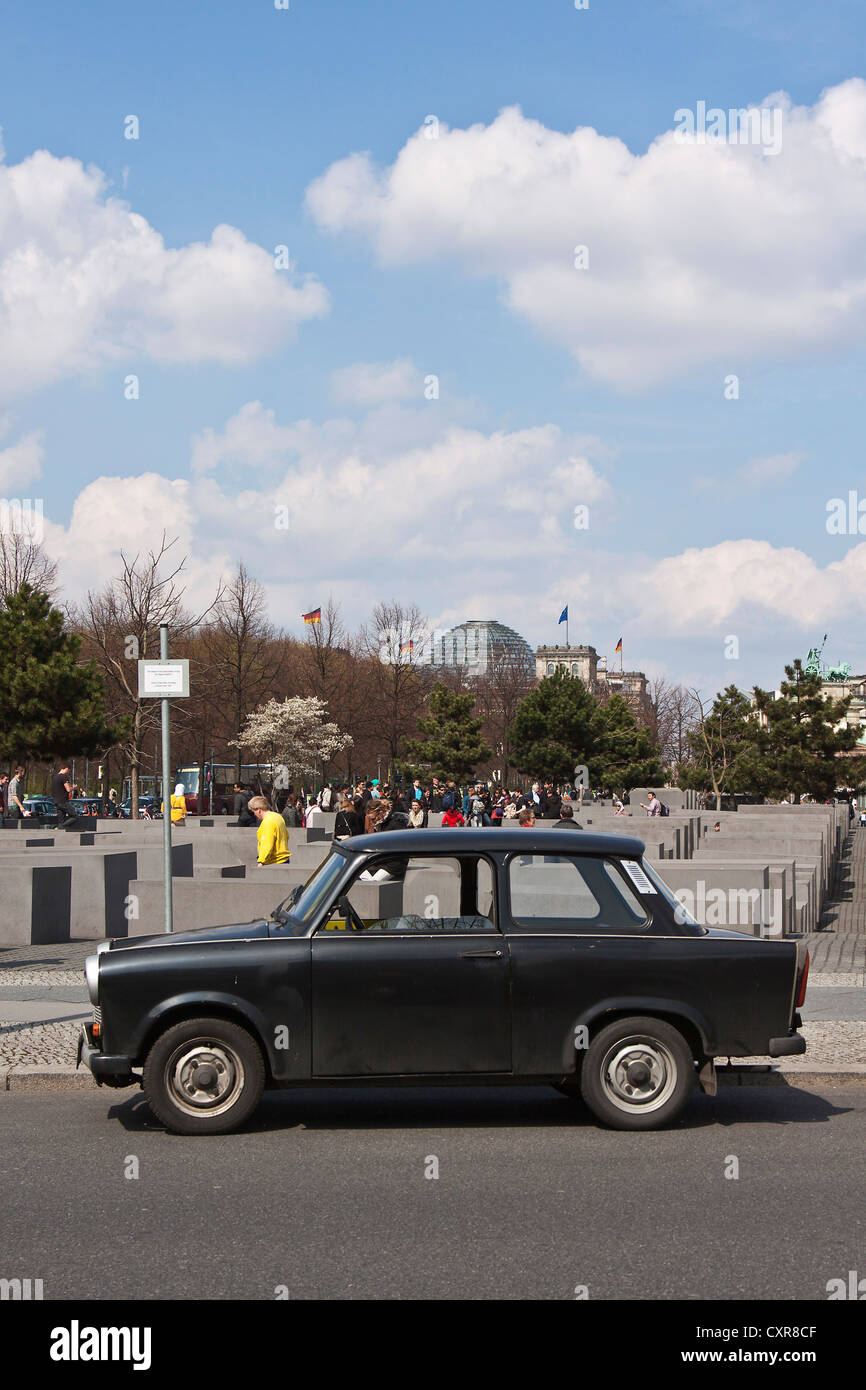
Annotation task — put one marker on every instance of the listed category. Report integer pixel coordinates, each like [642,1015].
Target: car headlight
[91,975]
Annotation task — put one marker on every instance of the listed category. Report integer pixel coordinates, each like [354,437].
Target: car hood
[242,931]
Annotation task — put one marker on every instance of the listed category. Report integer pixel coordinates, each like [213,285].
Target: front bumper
[792,1045]
[106,1070]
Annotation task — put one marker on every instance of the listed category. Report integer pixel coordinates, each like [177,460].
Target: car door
[414,993]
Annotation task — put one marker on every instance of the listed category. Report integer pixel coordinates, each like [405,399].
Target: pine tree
[51,704]
[449,741]
[627,756]
[797,749]
[557,726]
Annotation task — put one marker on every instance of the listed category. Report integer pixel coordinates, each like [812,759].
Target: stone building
[592,669]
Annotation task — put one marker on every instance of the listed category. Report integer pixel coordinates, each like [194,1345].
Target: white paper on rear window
[637,876]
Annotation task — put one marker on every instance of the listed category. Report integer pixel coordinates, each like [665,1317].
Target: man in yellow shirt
[272,835]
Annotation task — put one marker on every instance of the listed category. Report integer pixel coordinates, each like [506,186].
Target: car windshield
[302,904]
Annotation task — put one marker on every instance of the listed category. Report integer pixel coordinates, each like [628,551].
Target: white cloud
[85,282]
[697,252]
[21,464]
[774,468]
[467,525]
[702,588]
[767,471]
[470,508]
[371,383]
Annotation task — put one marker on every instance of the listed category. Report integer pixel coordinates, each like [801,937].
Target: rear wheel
[204,1076]
[638,1073]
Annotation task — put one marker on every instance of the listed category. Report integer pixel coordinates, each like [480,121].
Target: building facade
[592,669]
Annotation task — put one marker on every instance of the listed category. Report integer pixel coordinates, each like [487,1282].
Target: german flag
[406,648]
[314,617]
[618,647]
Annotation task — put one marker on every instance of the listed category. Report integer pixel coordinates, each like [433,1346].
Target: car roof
[468,841]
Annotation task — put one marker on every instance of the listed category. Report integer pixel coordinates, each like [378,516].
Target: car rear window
[562,893]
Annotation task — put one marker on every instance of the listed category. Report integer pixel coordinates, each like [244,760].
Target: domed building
[479,646]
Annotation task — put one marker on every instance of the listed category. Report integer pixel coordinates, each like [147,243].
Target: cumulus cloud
[469,524]
[86,282]
[21,464]
[704,587]
[697,252]
[338,495]
[372,383]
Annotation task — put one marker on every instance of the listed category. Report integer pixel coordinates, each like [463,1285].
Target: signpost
[159,680]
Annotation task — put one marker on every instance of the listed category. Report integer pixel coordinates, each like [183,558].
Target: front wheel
[204,1076]
[638,1073]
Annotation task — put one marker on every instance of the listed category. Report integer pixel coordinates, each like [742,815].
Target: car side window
[560,893]
[422,895]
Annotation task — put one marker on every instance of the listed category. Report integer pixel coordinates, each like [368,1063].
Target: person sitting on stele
[272,836]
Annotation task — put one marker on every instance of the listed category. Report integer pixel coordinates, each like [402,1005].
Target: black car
[507,956]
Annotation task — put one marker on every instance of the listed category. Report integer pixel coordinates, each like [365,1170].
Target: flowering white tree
[293,735]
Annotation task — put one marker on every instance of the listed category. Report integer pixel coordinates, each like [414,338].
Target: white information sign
[163,680]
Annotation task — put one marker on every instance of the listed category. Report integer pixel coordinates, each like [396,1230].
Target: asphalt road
[325,1193]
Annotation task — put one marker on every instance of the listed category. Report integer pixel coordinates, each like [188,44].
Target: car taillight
[801,993]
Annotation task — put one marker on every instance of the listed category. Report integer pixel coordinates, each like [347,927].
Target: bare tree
[498,693]
[23,561]
[121,625]
[392,640]
[674,714]
[239,655]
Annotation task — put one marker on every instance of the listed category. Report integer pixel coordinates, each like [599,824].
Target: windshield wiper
[281,912]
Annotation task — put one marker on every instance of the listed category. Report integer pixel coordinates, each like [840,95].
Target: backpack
[448,801]
[666,810]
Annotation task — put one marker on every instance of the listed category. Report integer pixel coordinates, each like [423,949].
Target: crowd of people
[370,805]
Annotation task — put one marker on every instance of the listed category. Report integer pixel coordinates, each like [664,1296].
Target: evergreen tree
[51,704]
[449,741]
[627,756]
[557,726]
[797,749]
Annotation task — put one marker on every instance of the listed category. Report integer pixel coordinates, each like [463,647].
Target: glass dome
[480,645]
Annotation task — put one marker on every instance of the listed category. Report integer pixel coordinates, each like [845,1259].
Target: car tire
[204,1076]
[638,1073]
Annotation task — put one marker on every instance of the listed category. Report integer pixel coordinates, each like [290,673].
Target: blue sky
[243,107]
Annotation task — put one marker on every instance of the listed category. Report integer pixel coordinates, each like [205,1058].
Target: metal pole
[210,798]
[166,794]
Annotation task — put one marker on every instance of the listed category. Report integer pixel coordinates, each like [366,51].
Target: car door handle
[480,955]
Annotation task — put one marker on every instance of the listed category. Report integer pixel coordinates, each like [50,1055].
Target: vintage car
[440,957]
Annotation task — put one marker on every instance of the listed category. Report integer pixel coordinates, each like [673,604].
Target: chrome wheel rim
[638,1074]
[204,1077]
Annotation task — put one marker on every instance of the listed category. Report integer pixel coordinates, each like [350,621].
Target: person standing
[14,795]
[652,805]
[566,819]
[347,822]
[177,804]
[61,790]
[272,836]
[4,791]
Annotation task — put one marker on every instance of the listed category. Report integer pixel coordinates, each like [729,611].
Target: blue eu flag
[563,617]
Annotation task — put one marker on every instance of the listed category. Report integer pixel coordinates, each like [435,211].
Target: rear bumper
[106,1070]
[792,1045]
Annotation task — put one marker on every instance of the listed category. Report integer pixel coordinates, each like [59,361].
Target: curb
[36,1078]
